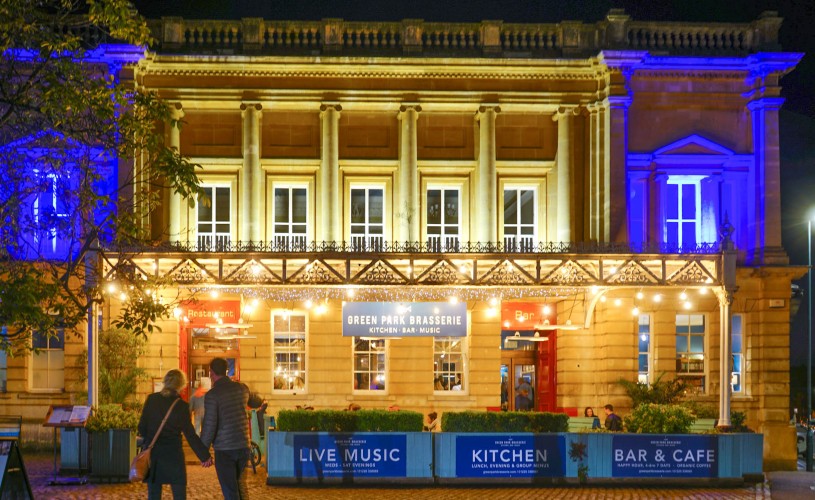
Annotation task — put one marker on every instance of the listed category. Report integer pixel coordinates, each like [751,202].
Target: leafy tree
[662,392]
[71,132]
[119,373]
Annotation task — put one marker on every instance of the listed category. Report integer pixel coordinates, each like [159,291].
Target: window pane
[672,236]
[644,340]
[672,201]
[643,363]
[205,205]
[222,204]
[358,206]
[688,201]
[681,344]
[376,206]
[434,206]
[510,206]
[527,207]
[451,206]
[688,234]
[281,206]
[39,340]
[697,344]
[299,205]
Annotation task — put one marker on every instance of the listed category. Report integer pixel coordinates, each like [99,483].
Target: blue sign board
[659,455]
[350,455]
[531,455]
[401,319]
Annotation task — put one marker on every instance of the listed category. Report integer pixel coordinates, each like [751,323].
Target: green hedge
[660,419]
[500,421]
[349,421]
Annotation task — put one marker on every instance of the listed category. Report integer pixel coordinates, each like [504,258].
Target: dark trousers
[154,491]
[229,465]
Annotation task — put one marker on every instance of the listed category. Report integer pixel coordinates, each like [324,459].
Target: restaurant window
[290,217]
[215,218]
[47,368]
[289,351]
[449,363]
[737,348]
[369,364]
[690,349]
[520,207]
[367,218]
[644,349]
[443,219]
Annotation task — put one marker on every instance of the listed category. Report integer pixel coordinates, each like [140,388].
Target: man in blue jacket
[613,422]
[226,428]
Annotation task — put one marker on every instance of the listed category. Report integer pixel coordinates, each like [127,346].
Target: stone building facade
[603,200]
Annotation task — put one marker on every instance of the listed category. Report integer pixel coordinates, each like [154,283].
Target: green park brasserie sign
[401,319]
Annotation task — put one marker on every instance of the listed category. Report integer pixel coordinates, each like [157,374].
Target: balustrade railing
[487,38]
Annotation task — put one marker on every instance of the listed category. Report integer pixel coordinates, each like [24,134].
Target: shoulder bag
[141,462]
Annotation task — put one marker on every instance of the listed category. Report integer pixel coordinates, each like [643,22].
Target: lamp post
[809,448]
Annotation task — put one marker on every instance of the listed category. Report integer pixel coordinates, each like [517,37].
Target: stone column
[329,189]
[725,296]
[486,191]
[408,200]
[178,209]
[615,211]
[562,201]
[594,191]
[251,206]
[764,185]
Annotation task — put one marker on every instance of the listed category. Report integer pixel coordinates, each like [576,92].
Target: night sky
[797,35]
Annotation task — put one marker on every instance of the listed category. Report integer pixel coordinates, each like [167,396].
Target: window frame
[701,374]
[445,242]
[683,180]
[60,334]
[740,372]
[450,375]
[538,216]
[356,373]
[304,363]
[367,240]
[291,240]
[645,329]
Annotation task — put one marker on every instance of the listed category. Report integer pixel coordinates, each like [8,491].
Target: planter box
[111,454]
[363,457]
[610,457]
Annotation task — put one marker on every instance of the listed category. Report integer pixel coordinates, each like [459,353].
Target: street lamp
[809,449]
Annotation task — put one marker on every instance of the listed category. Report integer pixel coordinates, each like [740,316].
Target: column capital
[248,105]
[495,108]
[176,111]
[766,103]
[566,112]
[404,108]
[325,107]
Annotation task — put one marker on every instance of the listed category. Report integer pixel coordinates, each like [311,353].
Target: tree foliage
[661,392]
[71,130]
[119,372]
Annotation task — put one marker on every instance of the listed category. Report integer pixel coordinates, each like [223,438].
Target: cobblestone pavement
[202,484]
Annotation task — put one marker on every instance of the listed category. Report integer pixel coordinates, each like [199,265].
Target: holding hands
[207,463]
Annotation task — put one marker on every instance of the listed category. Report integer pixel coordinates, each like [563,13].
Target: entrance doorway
[531,366]
[517,376]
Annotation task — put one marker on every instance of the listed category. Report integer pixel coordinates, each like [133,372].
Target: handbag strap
[160,427]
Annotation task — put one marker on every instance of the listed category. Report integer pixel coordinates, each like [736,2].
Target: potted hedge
[112,430]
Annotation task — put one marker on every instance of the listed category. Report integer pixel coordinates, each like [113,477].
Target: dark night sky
[797,119]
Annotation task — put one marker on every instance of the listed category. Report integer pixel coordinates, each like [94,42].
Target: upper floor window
[369,364]
[683,212]
[443,219]
[644,349]
[737,348]
[367,218]
[690,349]
[47,368]
[520,220]
[290,217]
[289,351]
[51,209]
[449,363]
[215,218]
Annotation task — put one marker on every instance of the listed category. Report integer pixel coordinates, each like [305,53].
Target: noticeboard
[67,416]
[14,481]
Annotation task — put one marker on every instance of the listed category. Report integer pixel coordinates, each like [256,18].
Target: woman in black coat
[167,458]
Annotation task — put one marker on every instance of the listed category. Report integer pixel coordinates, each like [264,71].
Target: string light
[635,311]
[658,298]
[683,295]
[640,295]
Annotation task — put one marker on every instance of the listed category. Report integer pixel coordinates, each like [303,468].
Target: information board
[14,481]
[502,455]
[67,416]
[350,455]
[659,455]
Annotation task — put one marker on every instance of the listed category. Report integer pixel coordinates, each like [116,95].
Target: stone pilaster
[564,118]
[408,176]
[178,226]
[329,188]
[251,176]
[486,192]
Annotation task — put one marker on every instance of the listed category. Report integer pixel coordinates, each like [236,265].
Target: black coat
[167,458]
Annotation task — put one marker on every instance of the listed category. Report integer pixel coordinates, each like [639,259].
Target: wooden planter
[111,454]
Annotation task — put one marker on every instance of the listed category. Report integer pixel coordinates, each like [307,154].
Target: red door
[547,374]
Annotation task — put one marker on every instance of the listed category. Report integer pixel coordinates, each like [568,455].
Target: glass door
[518,381]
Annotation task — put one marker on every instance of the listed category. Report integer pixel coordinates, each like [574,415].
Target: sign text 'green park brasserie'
[400,319]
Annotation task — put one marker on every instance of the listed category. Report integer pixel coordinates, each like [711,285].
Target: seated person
[588,412]
[613,422]
[432,422]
